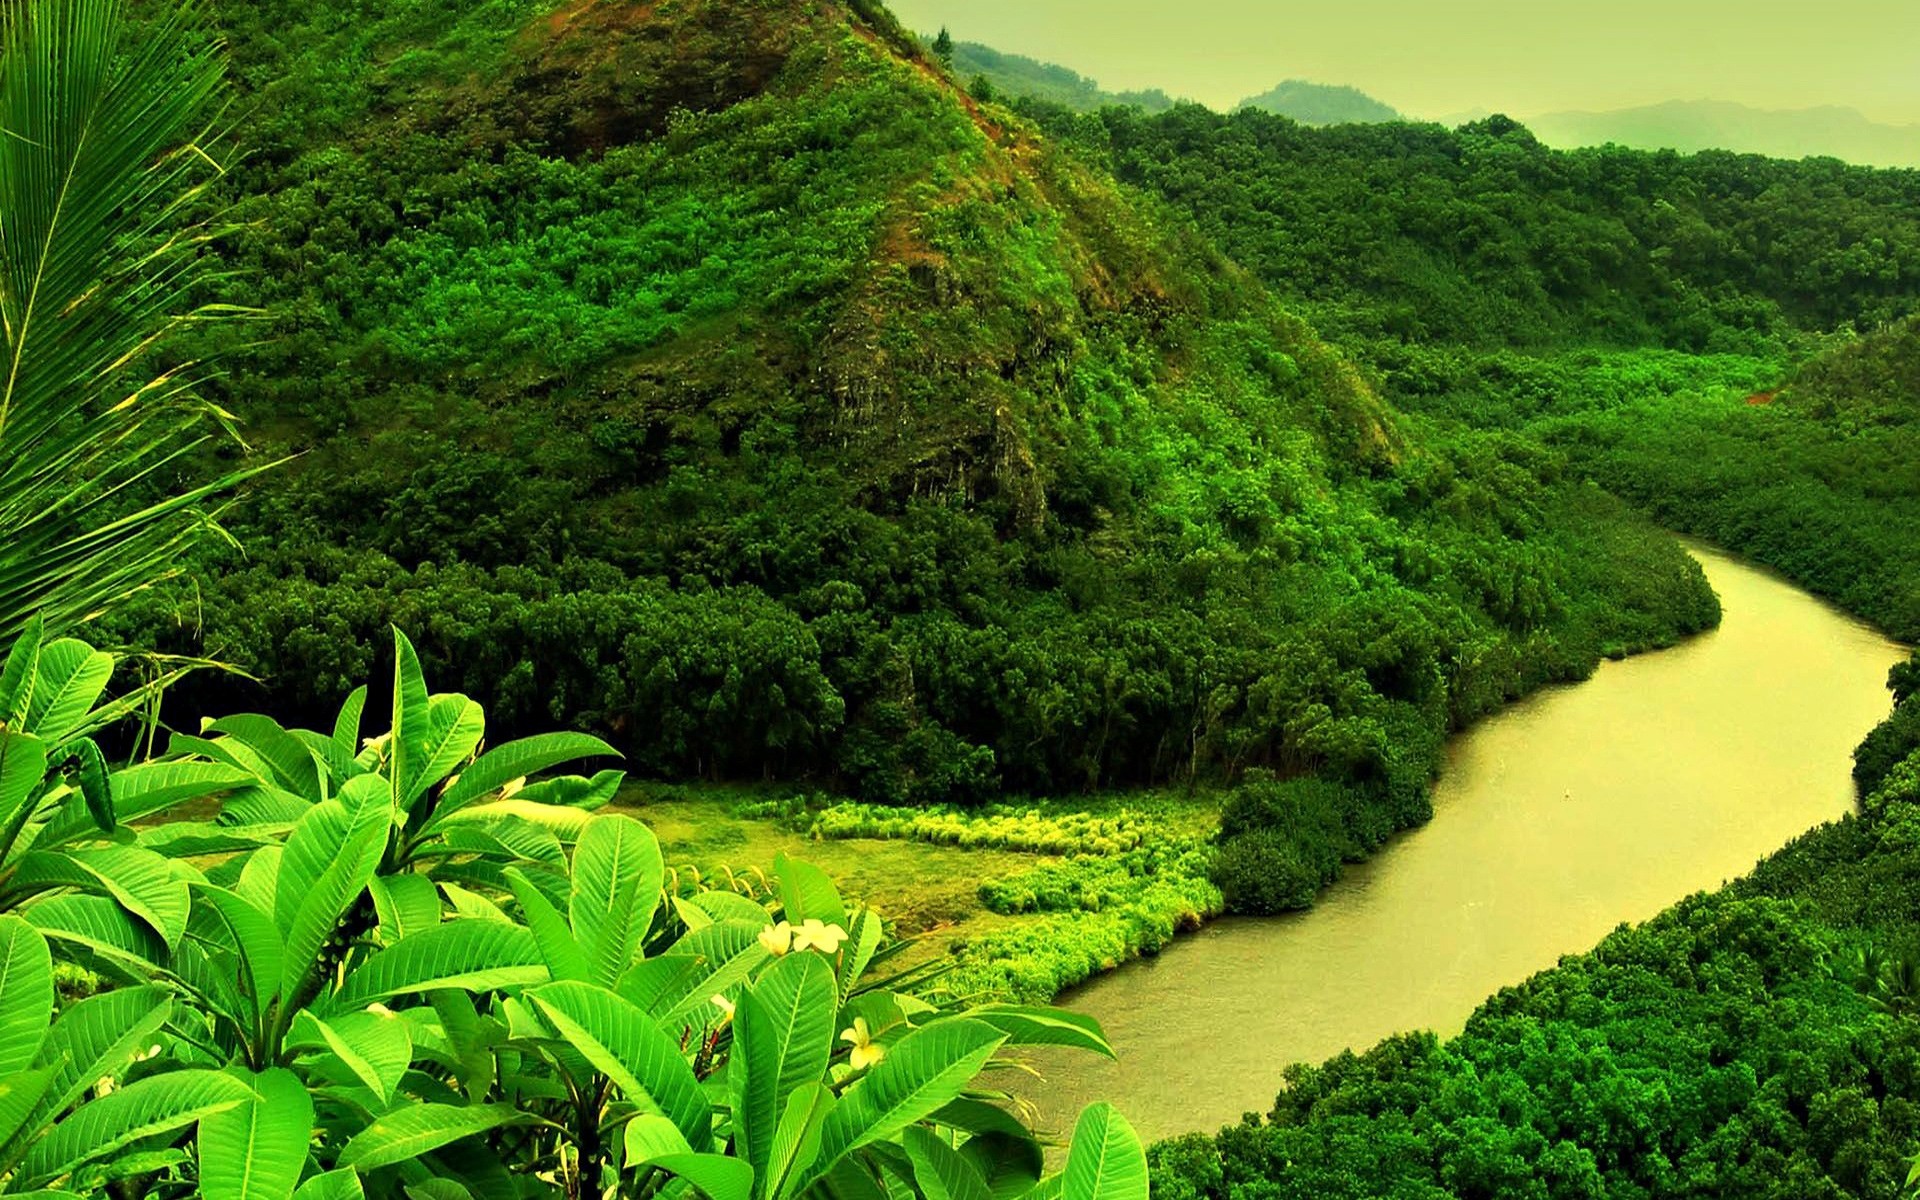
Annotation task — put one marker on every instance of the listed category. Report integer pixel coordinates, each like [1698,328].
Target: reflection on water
[1555,821]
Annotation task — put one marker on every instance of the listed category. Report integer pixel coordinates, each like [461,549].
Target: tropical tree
[103,166]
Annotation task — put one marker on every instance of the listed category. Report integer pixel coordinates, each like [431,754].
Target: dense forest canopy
[724,378]
[1482,236]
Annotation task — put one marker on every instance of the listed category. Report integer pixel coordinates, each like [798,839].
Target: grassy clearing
[1017,922]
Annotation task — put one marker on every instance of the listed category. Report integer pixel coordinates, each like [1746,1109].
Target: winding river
[1567,814]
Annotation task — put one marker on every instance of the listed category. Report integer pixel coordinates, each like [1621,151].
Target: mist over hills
[1322,104]
[1019,75]
[1688,125]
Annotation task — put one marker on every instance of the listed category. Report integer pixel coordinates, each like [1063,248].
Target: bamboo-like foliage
[101,169]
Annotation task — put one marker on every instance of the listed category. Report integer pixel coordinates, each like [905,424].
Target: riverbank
[1566,815]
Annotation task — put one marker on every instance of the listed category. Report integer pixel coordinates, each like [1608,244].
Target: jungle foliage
[395,966]
[724,380]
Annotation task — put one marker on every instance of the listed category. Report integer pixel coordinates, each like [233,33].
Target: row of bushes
[997,827]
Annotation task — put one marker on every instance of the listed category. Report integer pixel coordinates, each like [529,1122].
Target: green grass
[934,893]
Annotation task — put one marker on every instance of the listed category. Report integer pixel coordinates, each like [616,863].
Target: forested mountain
[725,379]
[1688,125]
[1636,309]
[1018,75]
[1484,237]
[1321,104]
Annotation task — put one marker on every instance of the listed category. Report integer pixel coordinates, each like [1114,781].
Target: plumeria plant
[403,968]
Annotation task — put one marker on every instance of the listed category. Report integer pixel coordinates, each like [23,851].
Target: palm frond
[102,169]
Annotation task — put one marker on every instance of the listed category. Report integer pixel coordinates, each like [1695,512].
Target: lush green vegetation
[1483,237]
[393,966]
[1647,314]
[724,381]
[1756,1042]
[839,428]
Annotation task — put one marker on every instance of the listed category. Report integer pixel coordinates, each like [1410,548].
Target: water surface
[1554,821]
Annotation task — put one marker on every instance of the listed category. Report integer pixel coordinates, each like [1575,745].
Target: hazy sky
[1435,58]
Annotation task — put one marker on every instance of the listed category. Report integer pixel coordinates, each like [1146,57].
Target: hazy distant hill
[1322,104]
[1018,75]
[1713,124]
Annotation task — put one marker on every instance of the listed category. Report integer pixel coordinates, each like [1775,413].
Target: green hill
[1018,75]
[724,378]
[1321,104]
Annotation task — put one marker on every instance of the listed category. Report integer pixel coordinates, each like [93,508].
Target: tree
[943,46]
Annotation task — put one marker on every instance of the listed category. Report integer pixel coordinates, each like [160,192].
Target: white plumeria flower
[778,939]
[866,1052]
[725,1006]
[814,934]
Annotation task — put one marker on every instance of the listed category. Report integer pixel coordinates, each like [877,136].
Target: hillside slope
[721,376]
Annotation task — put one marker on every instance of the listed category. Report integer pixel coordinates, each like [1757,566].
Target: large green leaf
[26,994]
[455,726]
[332,1185]
[286,756]
[1044,1025]
[715,1176]
[565,959]
[406,904]
[97,1037]
[99,926]
[409,730]
[376,1047]
[796,1143]
[617,873]
[21,672]
[806,893]
[344,745]
[257,1149]
[724,954]
[23,1105]
[921,1073]
[154,1105]
[256,940]
[329,859]
[783,1036]
[23,764]
[468,954]
[939,1170]
[72,676]
[516,760]
[655,1143]
[1105,1160]
[145,884]
[624,1044]
[415,1129]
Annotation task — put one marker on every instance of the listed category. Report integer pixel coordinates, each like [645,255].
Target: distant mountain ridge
[1018,75]
[1690,125]
[1322,104]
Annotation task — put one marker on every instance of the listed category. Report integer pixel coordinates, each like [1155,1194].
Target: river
[1565,815]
